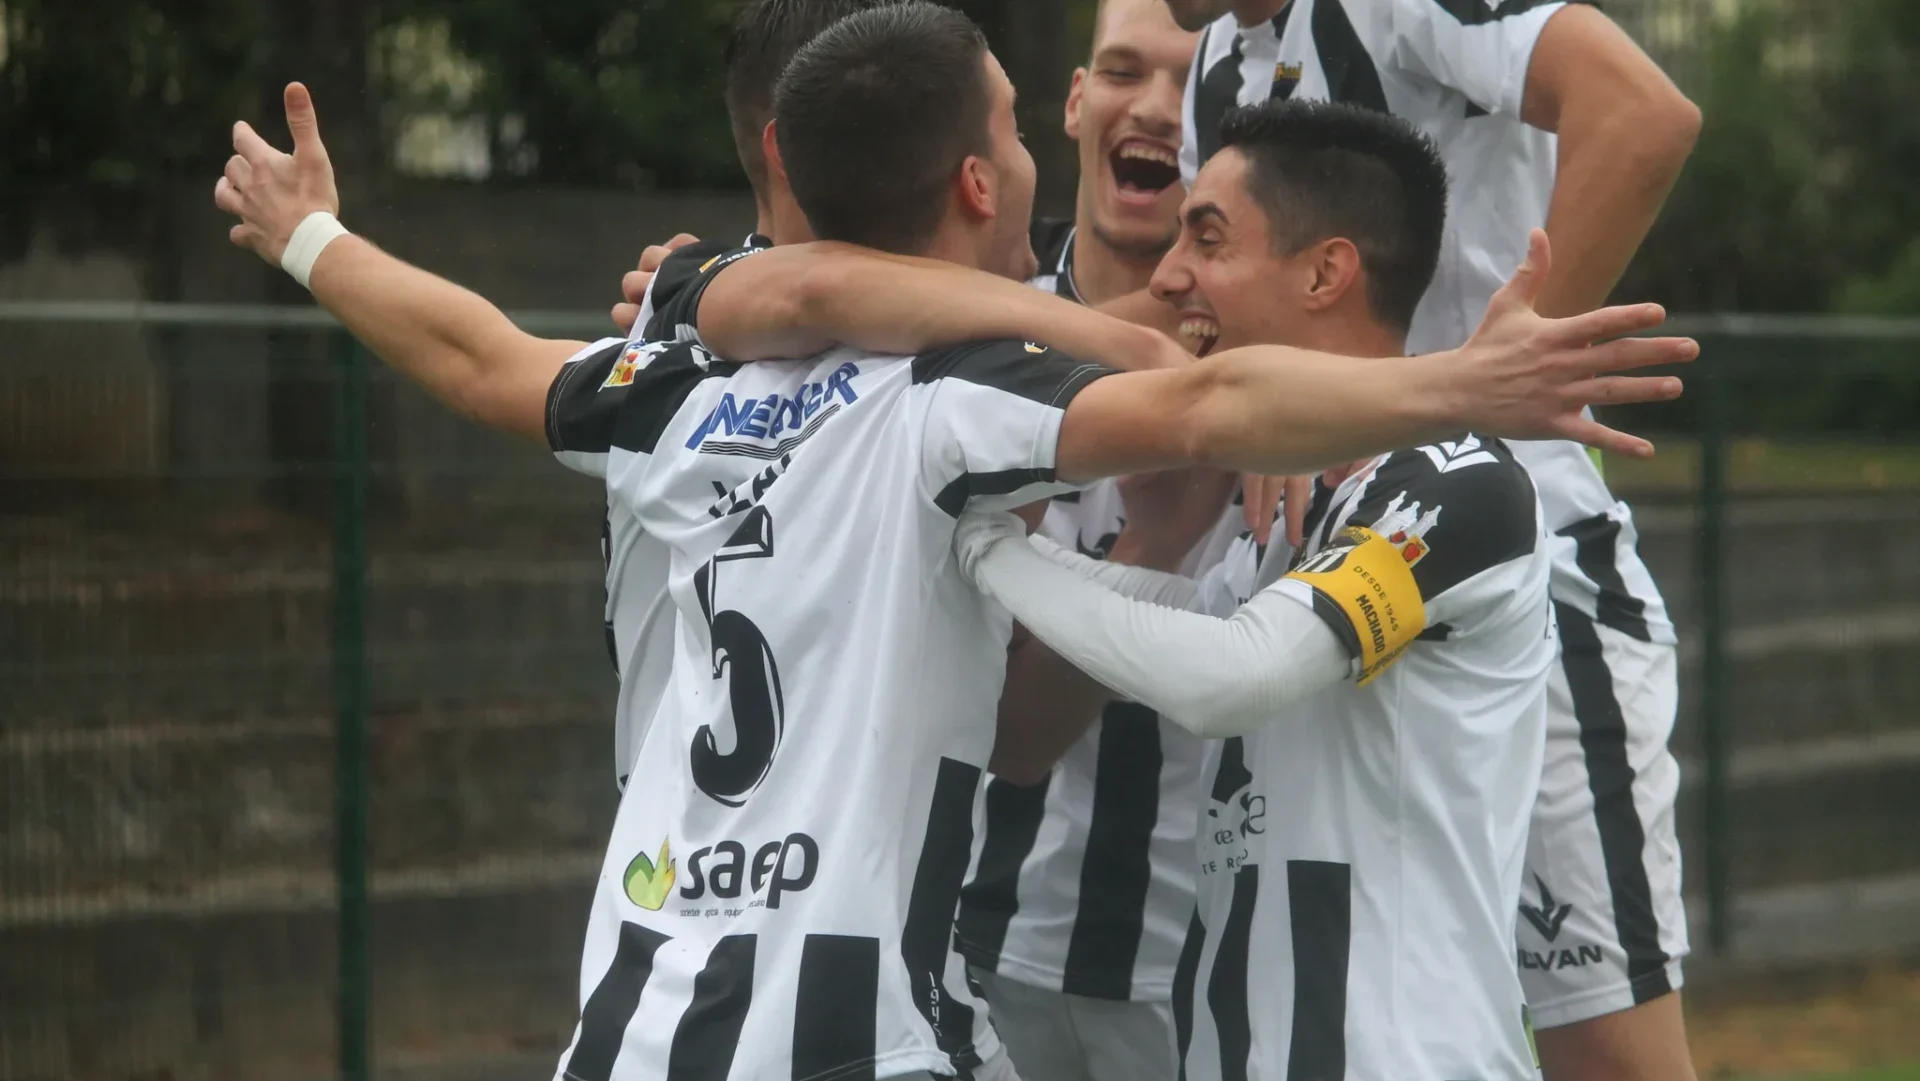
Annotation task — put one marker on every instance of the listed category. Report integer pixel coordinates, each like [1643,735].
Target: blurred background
[305,741]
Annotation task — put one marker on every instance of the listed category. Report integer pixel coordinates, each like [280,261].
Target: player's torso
[1366,849]
[801,799]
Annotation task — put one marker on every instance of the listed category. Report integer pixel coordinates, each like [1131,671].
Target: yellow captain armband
[1363,586]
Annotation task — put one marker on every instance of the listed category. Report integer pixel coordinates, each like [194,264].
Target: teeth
[1205,329]
[1148,153]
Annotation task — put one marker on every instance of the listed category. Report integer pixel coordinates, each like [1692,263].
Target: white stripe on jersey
[778,895]
[1455,69]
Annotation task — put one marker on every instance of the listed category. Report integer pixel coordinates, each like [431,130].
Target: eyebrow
[1117,53]
[1198,215]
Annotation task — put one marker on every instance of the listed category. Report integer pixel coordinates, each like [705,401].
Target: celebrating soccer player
[1492,84]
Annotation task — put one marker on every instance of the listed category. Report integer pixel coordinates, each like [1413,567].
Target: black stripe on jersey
[1320,911]
[1052,240]
[989,902]
[1033,372]
[579,417]
[1219,91]
[1479,12]
[1351,75]
[1227,986]
[609,1009]
[926,935]
[1115,872]
[834,1015]
[659,390]
[954,497]
[1596,548]
[1185,972]
[709,1030]
[1338,622]
[683,279]
[1610,776]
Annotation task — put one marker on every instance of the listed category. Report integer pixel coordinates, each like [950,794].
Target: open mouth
[1199,333]
[1142,169]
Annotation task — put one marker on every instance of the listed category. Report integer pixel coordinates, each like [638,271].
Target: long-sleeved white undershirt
[1214,677]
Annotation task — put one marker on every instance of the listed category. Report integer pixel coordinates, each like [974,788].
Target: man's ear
[770,150]
[1335,264]
[978,185]
[1073,103]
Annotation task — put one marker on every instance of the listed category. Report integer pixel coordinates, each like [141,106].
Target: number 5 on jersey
[742,656]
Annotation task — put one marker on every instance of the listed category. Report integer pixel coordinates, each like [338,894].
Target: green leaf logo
[648,881]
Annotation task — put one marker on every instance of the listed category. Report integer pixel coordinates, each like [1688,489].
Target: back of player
[778,896]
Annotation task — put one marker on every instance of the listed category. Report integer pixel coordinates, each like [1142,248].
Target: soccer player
[1382,700]
[779,893]
[1546,114]
[1077,902]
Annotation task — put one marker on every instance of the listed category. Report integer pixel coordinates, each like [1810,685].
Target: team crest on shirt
[1286,79]
[1406,528]
[648,881]
[625,368]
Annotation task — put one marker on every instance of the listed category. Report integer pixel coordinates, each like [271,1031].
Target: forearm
[797,300]
[1214,677]
[1138,582]
[451,341]
[1616,168]
[1279,411]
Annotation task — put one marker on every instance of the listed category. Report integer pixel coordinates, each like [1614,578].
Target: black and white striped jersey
[1360,855]
[780,888]
[1457,70]
[638,613]
[1083,883]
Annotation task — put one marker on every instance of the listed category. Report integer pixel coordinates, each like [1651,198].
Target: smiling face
[1124,110]
[1224,274]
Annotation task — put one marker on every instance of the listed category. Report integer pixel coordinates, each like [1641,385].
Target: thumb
[303,123]
[1531,278]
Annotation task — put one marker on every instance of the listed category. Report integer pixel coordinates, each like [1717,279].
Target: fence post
[350,698]
[1710,571]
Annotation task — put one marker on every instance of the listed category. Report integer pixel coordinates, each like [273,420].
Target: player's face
[1194,15]
[1223,274]
[1009,250]
[1124,110]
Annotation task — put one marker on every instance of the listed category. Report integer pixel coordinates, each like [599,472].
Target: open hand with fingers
[633,287]
[1530,377]
[272,192]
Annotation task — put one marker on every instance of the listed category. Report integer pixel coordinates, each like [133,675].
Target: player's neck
[782,220]
[1249,12]
[1348,335]
[1102,272]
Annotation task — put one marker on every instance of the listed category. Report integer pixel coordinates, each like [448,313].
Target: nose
[1156,111]
[1172,280]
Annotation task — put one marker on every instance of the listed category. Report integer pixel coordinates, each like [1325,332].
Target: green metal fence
[304,710]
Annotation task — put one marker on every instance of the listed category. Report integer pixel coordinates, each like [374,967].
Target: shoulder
[1468,503]
[1026,369]
[683,276]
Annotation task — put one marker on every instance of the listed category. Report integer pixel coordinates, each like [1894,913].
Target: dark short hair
[766,34]
[1321,170]
[874,118]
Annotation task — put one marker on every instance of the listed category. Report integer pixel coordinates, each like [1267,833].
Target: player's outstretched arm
[798,299]
[451,341]
[1270,409]
[1214,677]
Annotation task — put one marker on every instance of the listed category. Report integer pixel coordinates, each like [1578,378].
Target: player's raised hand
[272,192]
[633,287]
[1530,377]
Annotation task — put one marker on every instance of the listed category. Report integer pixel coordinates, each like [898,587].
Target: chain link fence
[305,708]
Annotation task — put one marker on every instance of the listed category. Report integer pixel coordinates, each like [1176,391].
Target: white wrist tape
[309,239]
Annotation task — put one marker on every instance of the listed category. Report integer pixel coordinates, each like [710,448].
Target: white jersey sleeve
[1214,677]
[993,424]
[1479,48]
